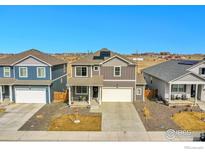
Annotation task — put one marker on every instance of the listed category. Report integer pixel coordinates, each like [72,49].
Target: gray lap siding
[58,71]
[58,85]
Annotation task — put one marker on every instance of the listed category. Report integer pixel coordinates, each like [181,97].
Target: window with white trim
[82,90]
[117,71]
[138,91]
[96,68]
[81,71]
[41,72]
[7,72]
[23,72]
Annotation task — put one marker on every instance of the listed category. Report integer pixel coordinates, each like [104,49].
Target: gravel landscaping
[160,115]
[41,120]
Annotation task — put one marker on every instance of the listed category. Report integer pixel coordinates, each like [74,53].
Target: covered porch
[6,92]
[85,91]
[186,93]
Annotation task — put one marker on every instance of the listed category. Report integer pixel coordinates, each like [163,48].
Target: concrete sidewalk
[89,136]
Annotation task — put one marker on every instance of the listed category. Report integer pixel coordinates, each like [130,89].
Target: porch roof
[92,81]
[12,81]
[7,81]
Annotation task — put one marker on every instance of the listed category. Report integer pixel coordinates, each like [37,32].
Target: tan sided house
[105,76]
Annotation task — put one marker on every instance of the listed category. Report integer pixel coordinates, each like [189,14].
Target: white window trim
[96,67]
[81,76]
[9,72]
[26,72]
[139,90]
[64,68]
[38,74]
[120,71]
[81,93]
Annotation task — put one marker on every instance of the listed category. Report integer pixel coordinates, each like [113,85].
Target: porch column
[10,93]
[69,95]
[100,93]
[89,95]
[196,93]
[1,95]
[170,92]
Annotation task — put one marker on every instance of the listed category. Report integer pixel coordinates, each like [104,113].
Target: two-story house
[178,80]
[31,77]
[105,76]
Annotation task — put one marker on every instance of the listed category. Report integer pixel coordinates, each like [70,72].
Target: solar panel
[104,54]
[188,62]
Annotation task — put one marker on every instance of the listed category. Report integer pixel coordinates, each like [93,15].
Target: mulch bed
[160,115]
[40,121]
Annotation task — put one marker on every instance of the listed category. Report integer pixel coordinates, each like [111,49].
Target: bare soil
[41,120]
[161,115]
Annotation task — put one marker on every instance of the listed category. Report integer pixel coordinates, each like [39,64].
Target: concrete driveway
[16,115]
[120,117]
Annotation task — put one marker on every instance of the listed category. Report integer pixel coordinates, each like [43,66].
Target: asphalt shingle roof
[169,70]
[33,52]
[89,59]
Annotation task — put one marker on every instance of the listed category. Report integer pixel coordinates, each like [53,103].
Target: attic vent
[188,62]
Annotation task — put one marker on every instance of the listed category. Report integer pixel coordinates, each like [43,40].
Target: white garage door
[117,94]
[30,95]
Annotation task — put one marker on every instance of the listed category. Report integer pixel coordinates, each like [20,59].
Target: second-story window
[117,71]
[7,72]
[41,72]
[81,71]
[23,72]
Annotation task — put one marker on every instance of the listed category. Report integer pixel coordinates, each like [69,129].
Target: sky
[123,29]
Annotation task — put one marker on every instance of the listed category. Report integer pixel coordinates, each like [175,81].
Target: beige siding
[115,62]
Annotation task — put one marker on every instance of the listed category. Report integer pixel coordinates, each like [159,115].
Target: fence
[150,93]
[60,96]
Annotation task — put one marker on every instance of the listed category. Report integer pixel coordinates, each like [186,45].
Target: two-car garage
[117,94]
[30,95]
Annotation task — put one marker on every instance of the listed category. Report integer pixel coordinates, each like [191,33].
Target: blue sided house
[31,77]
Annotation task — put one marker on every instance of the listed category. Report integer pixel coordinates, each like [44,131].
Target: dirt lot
[42,119]
[160,115]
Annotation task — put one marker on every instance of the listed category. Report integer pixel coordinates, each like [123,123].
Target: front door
[193,90]
[95,92]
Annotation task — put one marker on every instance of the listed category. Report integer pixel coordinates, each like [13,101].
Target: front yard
[160,118]
[191,121]
[58,117]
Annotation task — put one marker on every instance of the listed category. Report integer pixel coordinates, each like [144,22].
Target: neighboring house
[177,80]
[31,77]
[105,76]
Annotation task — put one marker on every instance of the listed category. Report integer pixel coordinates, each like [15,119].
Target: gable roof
[45,58]
[170,70]
[89,59]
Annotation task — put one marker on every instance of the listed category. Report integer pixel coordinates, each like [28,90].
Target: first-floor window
[178,88]
[139,91]
[203,71]
[81,90]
